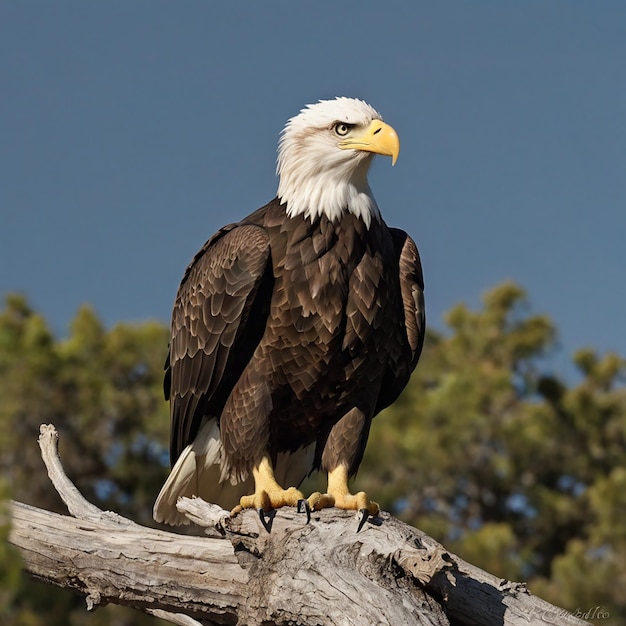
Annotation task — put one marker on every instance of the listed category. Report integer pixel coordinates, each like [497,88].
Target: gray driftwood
[283,572]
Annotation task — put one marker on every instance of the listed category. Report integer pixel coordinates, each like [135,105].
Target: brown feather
[292,332]
[216,289]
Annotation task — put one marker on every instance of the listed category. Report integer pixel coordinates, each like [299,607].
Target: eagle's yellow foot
[268,494]
[268,500]
[350,502]
[338,495]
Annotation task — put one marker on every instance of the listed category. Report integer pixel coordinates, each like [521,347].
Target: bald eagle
[293,328]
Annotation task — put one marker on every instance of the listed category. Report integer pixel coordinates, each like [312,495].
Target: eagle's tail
[197,473]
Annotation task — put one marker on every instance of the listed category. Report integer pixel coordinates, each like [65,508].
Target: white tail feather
[198,470]
[197,473]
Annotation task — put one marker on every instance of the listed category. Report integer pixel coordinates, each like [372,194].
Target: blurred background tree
[506,464]
[509,466]
[103,391]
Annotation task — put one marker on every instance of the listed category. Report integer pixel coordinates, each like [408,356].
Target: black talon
[363,516]
[303,507]
[267,518]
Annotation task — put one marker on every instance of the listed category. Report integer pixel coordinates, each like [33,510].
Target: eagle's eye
[342,129]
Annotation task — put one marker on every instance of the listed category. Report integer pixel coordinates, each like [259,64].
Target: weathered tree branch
[320,573]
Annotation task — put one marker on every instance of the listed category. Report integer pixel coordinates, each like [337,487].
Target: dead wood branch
[323,573]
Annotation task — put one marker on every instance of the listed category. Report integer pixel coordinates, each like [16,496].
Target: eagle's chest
[335,300]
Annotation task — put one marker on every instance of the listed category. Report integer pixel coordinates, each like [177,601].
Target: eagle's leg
[342,454]
[338,495]
[268,494]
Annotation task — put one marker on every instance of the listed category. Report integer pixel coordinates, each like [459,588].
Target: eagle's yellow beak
[378,137]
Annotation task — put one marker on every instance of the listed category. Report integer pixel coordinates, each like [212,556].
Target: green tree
[511,467]
[103,390]
[507,465]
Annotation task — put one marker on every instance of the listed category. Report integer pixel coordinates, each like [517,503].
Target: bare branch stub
[77,505]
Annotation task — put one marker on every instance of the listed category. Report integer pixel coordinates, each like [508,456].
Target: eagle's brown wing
[412,289]
[412,286]
[218,320]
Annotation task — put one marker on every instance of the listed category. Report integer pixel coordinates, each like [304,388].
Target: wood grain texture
[281,572]
[139,567]
[323,573]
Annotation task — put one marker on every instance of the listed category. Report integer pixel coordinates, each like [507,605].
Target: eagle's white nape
[316,177]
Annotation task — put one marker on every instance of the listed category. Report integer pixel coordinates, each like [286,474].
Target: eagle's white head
[324,155]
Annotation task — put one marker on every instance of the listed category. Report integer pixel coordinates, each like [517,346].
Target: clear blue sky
[131,131]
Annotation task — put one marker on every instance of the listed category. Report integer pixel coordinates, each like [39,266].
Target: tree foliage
[505,463]
[103,388]
[510,466]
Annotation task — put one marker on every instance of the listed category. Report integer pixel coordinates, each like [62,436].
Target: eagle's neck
[328,191]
